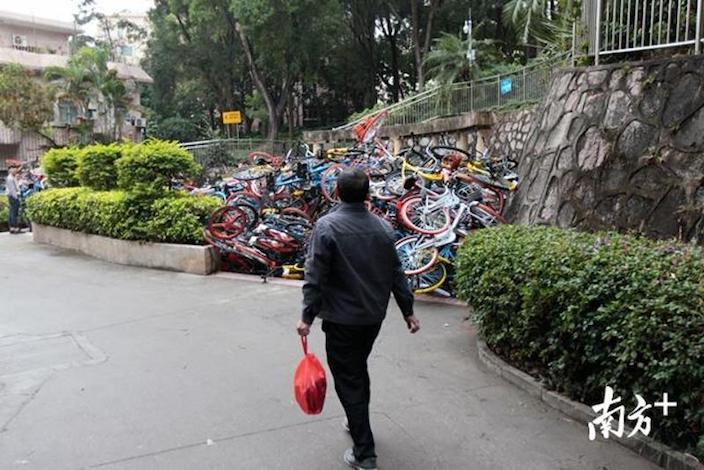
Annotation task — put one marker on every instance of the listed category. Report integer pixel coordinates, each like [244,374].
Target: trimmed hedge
[96,166]
[4,213]
[154,164]
[582,311]
[172,218]
[60,166]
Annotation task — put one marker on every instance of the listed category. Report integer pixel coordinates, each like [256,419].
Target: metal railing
[221,155]
[619,26]
[528,84]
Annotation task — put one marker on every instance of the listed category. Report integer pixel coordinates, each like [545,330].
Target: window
[127,51]
[68,113]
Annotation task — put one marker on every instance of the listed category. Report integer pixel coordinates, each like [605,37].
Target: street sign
[506,86]
[231,117]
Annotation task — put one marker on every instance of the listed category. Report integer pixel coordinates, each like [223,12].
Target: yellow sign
[231,117]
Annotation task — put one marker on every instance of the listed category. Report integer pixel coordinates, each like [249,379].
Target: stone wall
[619,147]
[510,132]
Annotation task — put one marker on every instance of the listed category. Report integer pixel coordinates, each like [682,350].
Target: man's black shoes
[351,460]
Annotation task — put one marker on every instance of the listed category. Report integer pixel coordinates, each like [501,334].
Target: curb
[298,283]
[644,446]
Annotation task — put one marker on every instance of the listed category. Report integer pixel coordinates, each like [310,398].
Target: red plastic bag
[309,383]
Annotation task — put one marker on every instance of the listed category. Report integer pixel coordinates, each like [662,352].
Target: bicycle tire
[485,216]
[439,223]
[228,222]
[428,281]
[412,261]
[328,182]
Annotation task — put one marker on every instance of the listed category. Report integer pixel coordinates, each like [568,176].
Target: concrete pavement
[107,366]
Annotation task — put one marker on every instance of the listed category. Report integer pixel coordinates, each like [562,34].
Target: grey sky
[64,9]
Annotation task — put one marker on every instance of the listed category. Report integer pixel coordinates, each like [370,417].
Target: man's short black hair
[353,185]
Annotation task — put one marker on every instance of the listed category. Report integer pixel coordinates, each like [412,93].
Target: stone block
[617,110]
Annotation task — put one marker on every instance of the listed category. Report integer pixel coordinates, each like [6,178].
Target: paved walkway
[106,366]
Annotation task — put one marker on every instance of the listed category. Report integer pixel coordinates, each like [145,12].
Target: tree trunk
[271,107]
[415,33]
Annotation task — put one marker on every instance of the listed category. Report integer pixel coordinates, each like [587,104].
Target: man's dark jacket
[351,269]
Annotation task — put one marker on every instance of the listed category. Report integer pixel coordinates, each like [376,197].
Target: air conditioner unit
[19,41]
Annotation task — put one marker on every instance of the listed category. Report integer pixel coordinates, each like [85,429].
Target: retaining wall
[173,257]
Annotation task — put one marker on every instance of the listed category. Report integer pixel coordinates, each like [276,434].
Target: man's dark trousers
[347,348]
[14,212]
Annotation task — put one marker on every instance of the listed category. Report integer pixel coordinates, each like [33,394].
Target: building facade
[36,44]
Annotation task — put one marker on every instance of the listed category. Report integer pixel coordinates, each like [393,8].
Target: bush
[583,311]
[96,166]
[173,218]
[181,218]
[60,166]
[152,165]
[4,213]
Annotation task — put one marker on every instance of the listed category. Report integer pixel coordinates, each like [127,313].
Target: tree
[284,43]
[197,64]
[424,34]
[447,62]
[25,104]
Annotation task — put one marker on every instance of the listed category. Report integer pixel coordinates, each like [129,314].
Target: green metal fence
[219,156]
[525,85]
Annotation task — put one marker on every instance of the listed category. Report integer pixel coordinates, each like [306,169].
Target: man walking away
[12,188]
[351,269]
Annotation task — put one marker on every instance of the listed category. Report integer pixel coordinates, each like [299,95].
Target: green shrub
[96,166]
[583,311]
[172,218]
[153,164]
[60,166]
[4,213]
[181,219]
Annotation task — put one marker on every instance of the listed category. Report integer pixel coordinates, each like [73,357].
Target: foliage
[153,164]
[447,62]
[96,166]
[176,128]
[60,165]
[173,218]
[4,212]
[25,104]
[181,218]
[583,311]
[87,77]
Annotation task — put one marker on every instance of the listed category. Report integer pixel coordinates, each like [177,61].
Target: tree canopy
[291,64]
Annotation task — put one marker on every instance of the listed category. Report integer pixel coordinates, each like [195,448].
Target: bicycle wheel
[415,216]
[430,280]
[328,182]
[244,197]
[416,258]
[260,262]
[260,158]
[484,216]
[443,151]
[228,222]
[285,200]
[420,161]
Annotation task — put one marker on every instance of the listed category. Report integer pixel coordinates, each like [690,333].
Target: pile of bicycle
[434,196]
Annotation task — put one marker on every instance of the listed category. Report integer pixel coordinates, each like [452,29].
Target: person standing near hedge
[12,187]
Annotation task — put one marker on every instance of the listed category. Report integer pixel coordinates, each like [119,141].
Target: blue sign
[506,86]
